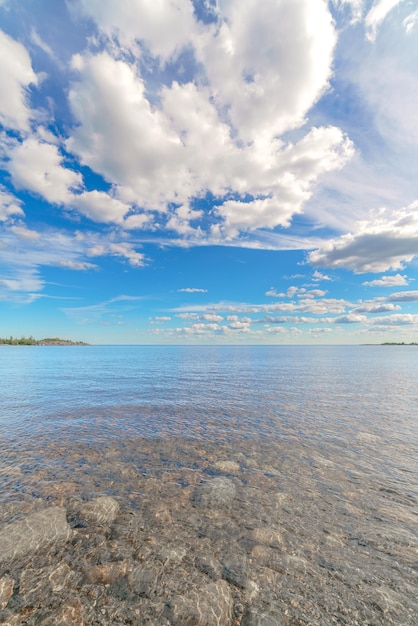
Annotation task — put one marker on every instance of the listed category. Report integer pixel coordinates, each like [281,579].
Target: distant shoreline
[48,341]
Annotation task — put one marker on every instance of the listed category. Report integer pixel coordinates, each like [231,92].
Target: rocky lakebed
[178,532]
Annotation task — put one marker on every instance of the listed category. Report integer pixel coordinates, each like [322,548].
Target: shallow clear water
[289,472]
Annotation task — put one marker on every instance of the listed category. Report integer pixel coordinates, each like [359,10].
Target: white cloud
[77,265]
[273,293]
[375,307]
[165,26]
[121,136]
[350,318]
[38,167]
[377,14]
[268,62]
[318,276]
[123,249]
[24,280]
[385,241]
[22,232]
[100,206]
[410,22]
[387,281]
[404,296]
[401,319]
[171,147]
[24,252]
[286,175]
[192,290]
[355,6]
[16,76]
[9,205]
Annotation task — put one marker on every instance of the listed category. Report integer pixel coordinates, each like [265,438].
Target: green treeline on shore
[48,341]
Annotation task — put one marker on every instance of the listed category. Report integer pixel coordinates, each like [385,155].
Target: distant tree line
[31,341]
[401,343]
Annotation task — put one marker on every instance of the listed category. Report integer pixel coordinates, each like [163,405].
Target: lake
[200,485]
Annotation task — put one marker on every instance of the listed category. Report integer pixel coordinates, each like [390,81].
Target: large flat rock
[34,532]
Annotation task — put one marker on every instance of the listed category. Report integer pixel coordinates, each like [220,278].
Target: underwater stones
[107,573]
[142,579]
[234,570]
[101,511]
[267,536]
[70,614]
[61,578]
[34,532]
[216,493]
[259,617]
[209,606]
[228,467]
[6,591]
[208,565]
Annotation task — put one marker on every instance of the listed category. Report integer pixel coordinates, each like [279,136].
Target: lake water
[259,485]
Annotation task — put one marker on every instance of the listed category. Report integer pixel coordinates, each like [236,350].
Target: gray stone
[34,532]
[101,511]
[229,467]
[142,580]
[234,570]
[268,536]
[216,493]
[208,565]
[6,591]
[260,617]
[209,606]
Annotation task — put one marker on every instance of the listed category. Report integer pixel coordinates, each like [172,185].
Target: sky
[209,171]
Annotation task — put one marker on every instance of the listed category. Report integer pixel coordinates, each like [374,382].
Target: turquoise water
[319,444]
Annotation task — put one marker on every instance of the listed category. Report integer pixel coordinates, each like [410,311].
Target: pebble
[216,493]
[102,510]
[228,467]
[209,606]
[6,590]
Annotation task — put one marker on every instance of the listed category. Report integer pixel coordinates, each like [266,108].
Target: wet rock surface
[163,532]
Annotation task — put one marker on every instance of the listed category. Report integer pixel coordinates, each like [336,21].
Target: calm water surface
[280,480]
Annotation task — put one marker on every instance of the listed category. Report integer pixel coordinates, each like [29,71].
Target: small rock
[107,573]
[259,617]
[142,580]
[34,532]
[61,577]
[102,510]
[71,614]
[235,571]
[209,566]
[216,493]
[229,467]
[209,606]
[6,591]
[267,536]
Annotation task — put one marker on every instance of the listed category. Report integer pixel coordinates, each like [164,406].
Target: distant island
[400,343]
[48,341]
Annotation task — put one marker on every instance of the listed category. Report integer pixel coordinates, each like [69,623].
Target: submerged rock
[34,532]
[102,510]
[229,467]
[209,606]
[6,591]
[258,617]
[217,493]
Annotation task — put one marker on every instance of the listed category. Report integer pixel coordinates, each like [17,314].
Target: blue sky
[209,171]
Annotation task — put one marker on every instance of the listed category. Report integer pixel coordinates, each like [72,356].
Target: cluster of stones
[222,547]
[211,591]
